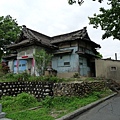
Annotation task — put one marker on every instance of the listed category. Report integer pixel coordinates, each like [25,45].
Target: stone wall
[77,89]
[42,89]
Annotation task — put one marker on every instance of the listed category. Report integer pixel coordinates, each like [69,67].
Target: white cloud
[53,17]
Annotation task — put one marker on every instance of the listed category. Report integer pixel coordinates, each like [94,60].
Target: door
[83,66]
[22,65]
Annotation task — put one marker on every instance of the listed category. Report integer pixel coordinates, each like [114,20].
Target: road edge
[85,108]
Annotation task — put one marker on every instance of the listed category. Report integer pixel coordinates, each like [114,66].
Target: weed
[76,75]
[17,107]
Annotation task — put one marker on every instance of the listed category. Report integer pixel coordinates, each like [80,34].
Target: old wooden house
[73,52]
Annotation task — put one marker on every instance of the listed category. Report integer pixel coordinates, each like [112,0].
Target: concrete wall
[108,69]
[66,74]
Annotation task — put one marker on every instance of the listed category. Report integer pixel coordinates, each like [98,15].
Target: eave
[69,51]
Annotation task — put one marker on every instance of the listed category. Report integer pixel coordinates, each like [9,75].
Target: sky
[55,17]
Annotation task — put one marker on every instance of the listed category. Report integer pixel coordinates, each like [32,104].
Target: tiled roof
[76,35]
[29,37]
[80,34]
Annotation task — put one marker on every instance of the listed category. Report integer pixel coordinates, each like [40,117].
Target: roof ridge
[84,29]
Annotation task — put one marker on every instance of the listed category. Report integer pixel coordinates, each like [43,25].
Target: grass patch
[10,77]
[18,108]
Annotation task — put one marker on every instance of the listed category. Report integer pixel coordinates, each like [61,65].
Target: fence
[38,89]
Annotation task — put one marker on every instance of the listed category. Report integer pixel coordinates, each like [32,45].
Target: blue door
[22,65]
[83,66]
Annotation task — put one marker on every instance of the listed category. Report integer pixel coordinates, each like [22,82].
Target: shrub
[20,102]
[25,99]
[4,67]
[9,75]
[22,76]
[76,75]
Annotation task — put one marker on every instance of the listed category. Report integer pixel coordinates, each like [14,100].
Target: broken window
[66,63]
[113,68]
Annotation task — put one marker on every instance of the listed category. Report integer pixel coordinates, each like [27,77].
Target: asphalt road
[108,110]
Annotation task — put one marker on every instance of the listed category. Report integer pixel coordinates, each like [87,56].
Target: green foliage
[47,102]
[17,108]
[40,114]
[46,79]
[42,60]
[9,31]
[25,100]
[76,75]
[22,76]
[79,1]
[4,68]
[22,101]
[99,55]
[89,79]
[9,75]
[108,20]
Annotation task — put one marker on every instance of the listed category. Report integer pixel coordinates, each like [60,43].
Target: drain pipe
[115,56]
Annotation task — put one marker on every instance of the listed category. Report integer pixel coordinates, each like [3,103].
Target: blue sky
[54,17]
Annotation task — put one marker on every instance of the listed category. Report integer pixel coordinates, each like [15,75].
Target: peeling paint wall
[65,63]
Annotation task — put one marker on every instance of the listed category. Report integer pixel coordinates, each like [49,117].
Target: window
[23,64]
[66,63]
[113,68]
[64,60]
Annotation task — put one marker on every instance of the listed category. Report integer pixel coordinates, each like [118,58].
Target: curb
[85,108]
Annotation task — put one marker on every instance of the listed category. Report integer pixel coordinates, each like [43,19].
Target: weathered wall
[27,51]
[10,64]
[66,74]
[73,58]
[108,69]
[77,89]
[42,89]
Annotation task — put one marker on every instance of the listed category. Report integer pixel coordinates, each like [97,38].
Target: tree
[99,55]
[108,20]
[9,32]
[42,60]
[79,1]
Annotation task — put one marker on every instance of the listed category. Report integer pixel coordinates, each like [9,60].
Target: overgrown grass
[18,108]
[10,77]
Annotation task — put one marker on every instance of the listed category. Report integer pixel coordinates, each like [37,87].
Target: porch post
[17,65]
[33,65]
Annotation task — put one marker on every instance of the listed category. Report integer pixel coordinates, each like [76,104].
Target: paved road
[108,110]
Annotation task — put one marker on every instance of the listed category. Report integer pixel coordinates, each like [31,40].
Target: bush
[4,67]
[9,75]
[25,99]
[22,76]
[46,79]
[76,75]
[20,102]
